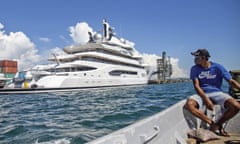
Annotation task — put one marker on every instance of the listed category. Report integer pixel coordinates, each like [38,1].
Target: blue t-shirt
[210,79]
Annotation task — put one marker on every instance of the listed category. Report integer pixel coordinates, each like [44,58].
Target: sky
[31,30]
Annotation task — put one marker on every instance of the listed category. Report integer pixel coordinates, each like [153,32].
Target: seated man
[207,79]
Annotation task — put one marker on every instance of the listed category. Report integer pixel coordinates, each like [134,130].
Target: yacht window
[72,69]
[109,61]
[120,72]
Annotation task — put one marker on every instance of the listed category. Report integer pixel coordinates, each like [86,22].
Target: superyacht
[105,60]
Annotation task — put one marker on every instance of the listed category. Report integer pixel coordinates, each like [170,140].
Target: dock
[166,81]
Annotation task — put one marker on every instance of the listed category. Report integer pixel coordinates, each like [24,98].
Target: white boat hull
[167,127]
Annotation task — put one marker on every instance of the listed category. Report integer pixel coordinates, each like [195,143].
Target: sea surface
[80,116]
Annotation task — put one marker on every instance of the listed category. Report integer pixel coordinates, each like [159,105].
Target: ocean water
[81,116]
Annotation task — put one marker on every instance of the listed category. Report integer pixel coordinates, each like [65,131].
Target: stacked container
[9,68]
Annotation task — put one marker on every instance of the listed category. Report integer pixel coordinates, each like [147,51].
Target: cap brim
[195,53]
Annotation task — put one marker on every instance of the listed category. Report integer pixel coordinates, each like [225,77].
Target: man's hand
[208,103]
[201,93]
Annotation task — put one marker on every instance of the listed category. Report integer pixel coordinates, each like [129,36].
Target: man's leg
[193,107]
[232,107]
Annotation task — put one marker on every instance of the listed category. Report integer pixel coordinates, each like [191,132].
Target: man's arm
[234,84]
[202,94]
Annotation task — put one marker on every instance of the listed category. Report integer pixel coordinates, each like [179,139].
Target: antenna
[56,59]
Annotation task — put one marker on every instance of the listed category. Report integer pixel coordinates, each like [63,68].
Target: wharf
[168,81]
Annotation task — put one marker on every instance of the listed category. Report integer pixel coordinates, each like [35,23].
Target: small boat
[167,127]
[173,125]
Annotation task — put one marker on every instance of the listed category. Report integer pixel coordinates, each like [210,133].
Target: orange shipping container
[9,69]
[8,63]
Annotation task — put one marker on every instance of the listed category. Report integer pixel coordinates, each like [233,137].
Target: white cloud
[57,51]
[44,39]
[150,59]
[16,45]
[1,26]
[177,71]
[79,32]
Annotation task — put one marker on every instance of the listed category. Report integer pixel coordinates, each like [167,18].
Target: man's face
[198,59]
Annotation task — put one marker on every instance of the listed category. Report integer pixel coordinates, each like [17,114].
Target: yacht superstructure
[104,60]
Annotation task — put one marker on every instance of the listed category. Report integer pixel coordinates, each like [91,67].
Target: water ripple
[81,116]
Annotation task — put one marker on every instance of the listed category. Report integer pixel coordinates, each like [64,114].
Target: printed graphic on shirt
[207,75]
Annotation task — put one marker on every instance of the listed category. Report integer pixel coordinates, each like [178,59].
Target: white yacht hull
[69,81]
[94,78]
[74,81]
